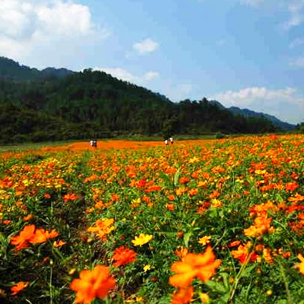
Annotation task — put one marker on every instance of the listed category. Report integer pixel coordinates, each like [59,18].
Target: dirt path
[121,144]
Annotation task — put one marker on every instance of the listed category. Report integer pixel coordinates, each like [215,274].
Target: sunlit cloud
[125,75]
[145,46]
[30,27]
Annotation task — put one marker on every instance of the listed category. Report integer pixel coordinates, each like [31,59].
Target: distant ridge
[249,113]
[12,70]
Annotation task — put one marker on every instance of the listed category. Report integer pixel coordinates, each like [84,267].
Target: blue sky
[246,53]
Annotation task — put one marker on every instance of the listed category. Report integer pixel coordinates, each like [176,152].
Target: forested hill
[12,70]
[59,104]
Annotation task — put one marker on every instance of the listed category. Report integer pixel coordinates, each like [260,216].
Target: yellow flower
[204,297]
[142,239]
[205,240]
[193,160]
[301,265]
[147,267]
[215,203]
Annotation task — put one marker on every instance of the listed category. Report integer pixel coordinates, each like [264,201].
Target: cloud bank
[286,104]
[29,27]
[125,75]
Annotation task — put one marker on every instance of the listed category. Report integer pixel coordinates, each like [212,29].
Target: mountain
[249,113]
[12,70]
[57,73]
[55,104]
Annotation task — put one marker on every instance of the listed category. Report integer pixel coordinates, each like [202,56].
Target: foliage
[94,104]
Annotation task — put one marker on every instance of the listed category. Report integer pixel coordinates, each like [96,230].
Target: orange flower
[92,284]
[171,197]
[42,236]
[201,266]
[153,188]
[102,228]
[170,207]
[183,296]
[58,243]
[261,226]
[184,180]
[22,240]
[18,287]
[115,197]
[268,255]
[29,235]
[234,244]
[70,197]
[243,253]
[141,184]
[123,256]
[193,192]
[291,186]
[28,217]
[181,252]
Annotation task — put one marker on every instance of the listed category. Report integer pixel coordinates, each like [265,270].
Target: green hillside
[60,104]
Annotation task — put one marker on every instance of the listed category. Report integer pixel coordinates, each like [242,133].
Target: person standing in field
[171,140]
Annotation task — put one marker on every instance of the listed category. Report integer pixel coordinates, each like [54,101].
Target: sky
[244,53]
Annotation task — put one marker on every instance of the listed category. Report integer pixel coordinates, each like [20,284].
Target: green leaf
[176,177]
[187,238]
[216,286]
[247,271]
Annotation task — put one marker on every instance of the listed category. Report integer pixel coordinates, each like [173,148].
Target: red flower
[70,197]
[141,183]
[153,188]
[123,256]
[184,180]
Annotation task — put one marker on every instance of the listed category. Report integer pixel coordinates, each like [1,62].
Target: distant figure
[166,142]
[93,143]
[171,140]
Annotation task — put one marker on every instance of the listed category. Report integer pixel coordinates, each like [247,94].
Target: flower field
[195,222]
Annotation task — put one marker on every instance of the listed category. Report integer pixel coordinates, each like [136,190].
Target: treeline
[94,104]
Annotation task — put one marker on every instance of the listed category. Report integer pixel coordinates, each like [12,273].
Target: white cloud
[151,75]
[145,46]
[125,75]
[295,43]
[296,10]
[297,62]
[27,26]
[248,95]
[286,104]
